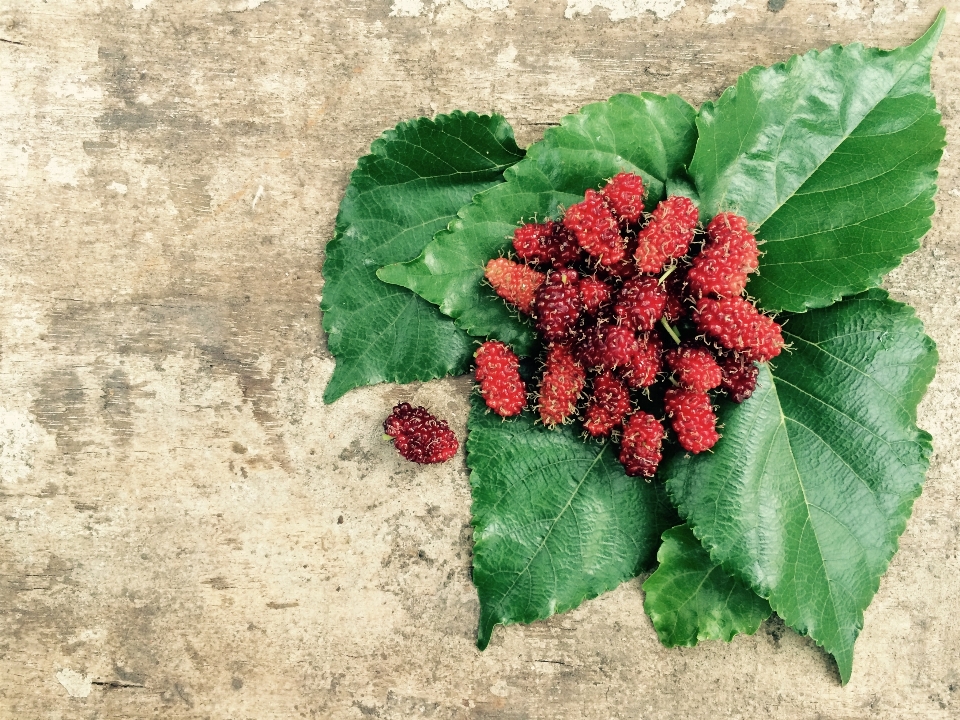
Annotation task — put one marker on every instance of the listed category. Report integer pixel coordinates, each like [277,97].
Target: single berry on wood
[609,403]
[594,293]
[640,302]
[645,362]
[739,377]
[737,325]
[695,368]
[668,234]
[557,304]
[419,436]
[624,195]
[619,346]
[640,445]
[595,228]
[692,418]
[560,388]
[728,257]
[515,283]
[498,372]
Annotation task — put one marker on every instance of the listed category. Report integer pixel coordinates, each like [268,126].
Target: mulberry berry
[608,405]
[739,378]
[595,228]
[645,362]
[499,377]
[691,416]
[641,302]
[619,346]
[529,240]
[730,254]
[695,368]
[557,304]
[739,326]
[419,436]
[560,388]
[668,234]
[640,445]
[594,293]
[624,195]
[515,283]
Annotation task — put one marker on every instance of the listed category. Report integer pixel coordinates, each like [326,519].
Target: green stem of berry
[666,274]
[670,331]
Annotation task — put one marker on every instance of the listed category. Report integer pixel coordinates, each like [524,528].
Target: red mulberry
[645,362]
[668,234]
[624,195]
[557,304]
[739,378]
[560,388]
[640,445]
[594,293]
[691,416]
[641,302]
[500,383]
[731,253]
[595,228]
[515,283]
[695,368]
[608,405]
[419,436]
[619,346]
[739,326]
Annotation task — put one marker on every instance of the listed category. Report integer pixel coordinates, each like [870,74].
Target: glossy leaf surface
[556,521]
[409,187]
[805,496]
[833,156]
[690,598]
[648,134]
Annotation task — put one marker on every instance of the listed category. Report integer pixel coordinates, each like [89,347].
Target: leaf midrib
[543,542]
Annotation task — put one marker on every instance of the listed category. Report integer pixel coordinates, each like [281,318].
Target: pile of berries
[623,300]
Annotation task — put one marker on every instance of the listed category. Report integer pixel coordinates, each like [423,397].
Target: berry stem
[670,331]
[666,274]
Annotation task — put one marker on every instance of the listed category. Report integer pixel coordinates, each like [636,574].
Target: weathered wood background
[188,532]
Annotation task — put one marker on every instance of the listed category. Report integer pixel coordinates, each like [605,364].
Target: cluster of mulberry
[642,316]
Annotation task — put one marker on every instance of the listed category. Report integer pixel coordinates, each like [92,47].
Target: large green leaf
[833,156]
[691,598]
[409,187]
[646,134]
[556,521]
[805,496]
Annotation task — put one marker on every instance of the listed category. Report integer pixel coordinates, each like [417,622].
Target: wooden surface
[188,532]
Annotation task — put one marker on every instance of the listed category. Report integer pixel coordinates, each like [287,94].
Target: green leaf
[646,134]
[556,521]
[690,598]
[409,187]
[833,155]
[805,496]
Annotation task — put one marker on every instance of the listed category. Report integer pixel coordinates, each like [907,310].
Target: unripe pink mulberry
[515,283]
